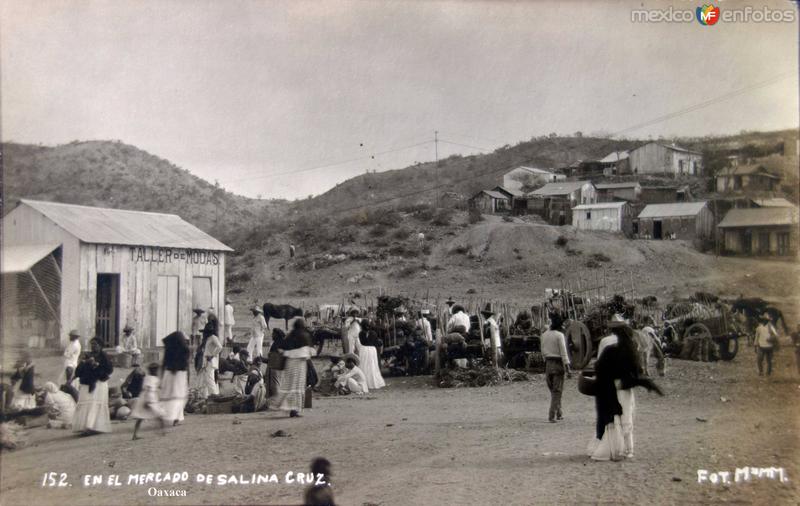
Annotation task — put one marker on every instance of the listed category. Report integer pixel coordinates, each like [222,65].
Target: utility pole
[436,168]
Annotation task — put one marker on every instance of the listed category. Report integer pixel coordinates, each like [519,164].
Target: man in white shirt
[424,325]
[352,380]
[459,319]
[259,327]
[229,322]
[493,342]
[766,337]
[71,354]
[556,365]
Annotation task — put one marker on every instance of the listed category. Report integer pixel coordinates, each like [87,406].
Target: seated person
[255,392]
[353,380]
[24,396]
[60,406]
[132,386]
[240,371]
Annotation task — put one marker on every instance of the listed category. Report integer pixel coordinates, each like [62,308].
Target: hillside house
[746,178]
[685,220]
[773,202]
[616,163]
[529,177]
[517,199]
[763,231]
[490,202]
[608,216]
[583,169]
[665,159]
[609,192]
[95,270]
[554,201]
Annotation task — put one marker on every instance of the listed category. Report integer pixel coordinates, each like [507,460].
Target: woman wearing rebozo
[91,412]
[297,349]
[175,379]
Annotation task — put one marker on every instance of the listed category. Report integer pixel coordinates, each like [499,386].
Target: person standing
[493,342]
[91,412]
[766,340]
[71,354]
[229,323]
[297,349]
[259,327]
[198,324]
[556,365]
[276,352]
[796,343]
[291,251]
[425,326]
[207,375]
[352,329]
[130,345]
[175,376]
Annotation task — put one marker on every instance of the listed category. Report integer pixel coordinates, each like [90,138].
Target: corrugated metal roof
[534,170]
[774,202]
[611,186]
[560,188]
[97,225]
[760,217]
[494,194]
[615,156]
[513,193]
[742,170]
[599,205]
[22,258]
[672,209]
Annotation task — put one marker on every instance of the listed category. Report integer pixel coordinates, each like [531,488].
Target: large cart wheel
[697,330]
[579,344]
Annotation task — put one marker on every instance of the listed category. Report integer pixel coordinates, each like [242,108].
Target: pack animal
[283,312]
[753,308]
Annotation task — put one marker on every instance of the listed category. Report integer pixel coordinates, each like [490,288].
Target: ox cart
[695,325]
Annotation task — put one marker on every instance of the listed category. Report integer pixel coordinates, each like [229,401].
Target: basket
[214,407]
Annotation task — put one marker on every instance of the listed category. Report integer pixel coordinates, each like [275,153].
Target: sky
[286,99]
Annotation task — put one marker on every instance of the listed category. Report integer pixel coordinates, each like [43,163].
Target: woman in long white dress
[91,412]
[368,358]
[175,380]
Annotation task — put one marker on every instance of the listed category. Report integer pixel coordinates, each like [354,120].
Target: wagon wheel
[579,344]
[697,330]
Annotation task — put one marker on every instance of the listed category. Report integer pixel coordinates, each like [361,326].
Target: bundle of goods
[387,306]
[601,313]
[479,376]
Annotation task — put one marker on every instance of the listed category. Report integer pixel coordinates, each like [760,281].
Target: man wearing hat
[229,321]
[130,345]
[493,342]
[198,323]
[766,341]
[424,325]
[353,380]
[556,364]
[259,327]
[450,303]
[71,354]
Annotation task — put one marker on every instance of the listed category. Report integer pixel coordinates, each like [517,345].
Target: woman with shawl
[60,406]
[175,376]
[617,373]
[368,356]
[297,349]
[277,347]
[91,413]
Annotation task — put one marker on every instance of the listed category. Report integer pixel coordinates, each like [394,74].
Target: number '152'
[54,480]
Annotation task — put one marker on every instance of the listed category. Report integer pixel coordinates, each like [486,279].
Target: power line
[332,164]
[466,146]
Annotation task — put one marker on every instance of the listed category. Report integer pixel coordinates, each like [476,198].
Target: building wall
[654,158]
[734,240]
[609,219]
[684,227]
[25,226]
[658,195]
[487,204]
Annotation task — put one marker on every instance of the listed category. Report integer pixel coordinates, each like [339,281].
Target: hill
[117,175]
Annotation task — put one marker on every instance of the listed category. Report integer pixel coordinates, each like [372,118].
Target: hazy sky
[236,91]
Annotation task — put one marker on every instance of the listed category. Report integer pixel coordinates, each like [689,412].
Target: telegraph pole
[436,167]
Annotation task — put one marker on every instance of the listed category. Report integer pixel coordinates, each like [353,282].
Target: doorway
[763,243]
[107,320]
[657,230]
[167,308]
[747,242]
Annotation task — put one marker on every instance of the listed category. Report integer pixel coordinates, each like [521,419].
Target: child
[148,406]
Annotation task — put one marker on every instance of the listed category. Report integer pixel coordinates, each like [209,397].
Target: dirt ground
[412,443]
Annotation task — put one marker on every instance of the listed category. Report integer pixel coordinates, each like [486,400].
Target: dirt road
[415,444]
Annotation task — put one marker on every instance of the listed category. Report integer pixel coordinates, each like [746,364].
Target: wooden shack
[684,220]
[107,268]
[490,201]
[607,216]
[767,231]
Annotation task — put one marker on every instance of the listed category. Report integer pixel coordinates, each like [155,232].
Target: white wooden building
[609,216]
[112,267]
[665,159]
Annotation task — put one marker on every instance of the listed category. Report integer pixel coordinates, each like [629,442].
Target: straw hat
[74,333]
[488,310]
[199,311]
[617,321]
[127,329]
[425,311]
[450,301]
